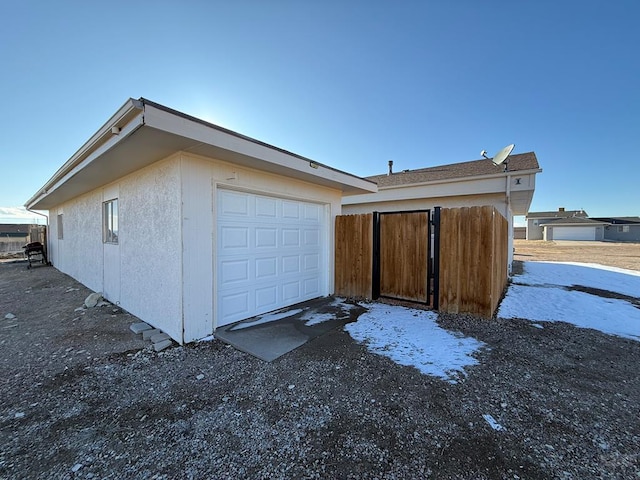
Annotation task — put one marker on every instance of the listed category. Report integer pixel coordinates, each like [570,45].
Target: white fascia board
[559,224]
[445,188]
[431,190]
[127,119]
[210,135]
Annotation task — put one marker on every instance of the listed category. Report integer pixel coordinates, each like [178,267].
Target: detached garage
[190,226]
[573,228]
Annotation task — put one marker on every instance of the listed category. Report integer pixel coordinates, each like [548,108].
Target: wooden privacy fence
[473,260]
[354,254]
[390,255]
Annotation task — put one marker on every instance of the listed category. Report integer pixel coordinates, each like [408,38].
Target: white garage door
[574,233]
[271,253]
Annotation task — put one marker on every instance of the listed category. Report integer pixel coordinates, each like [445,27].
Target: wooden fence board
[472,266]
[473,259]
[404,244]
[353,255]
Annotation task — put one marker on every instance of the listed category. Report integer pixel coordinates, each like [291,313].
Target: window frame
[60,226]
[110,228]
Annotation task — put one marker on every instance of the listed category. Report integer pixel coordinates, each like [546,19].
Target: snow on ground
[619,280]
[540,294]
[269,317]
[313,318]
[412,337]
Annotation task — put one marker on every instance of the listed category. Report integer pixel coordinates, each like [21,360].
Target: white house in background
[190,226]
[573,228]
[465,184]
[535,220]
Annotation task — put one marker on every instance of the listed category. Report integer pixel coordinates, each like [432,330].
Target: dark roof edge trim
[246,138]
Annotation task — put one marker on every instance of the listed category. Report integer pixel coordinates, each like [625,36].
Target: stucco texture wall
[201,177]
[150,246]
[79,252]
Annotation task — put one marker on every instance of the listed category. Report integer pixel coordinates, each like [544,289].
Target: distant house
[573,228]
[535,230]
[13,237]
[464,184]
[621,229]
[519,233]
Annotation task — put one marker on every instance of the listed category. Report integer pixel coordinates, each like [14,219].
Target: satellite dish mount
[500,157]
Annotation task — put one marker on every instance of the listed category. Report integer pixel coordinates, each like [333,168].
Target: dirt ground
[621,255]
[81,396]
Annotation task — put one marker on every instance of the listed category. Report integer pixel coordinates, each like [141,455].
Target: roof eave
[129,110]
[179,132]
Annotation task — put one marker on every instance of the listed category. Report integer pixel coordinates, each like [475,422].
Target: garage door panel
[290,210]
[291,291]
[266,267]
[574,233]
[266,237]
[266,207]
[312,213]
[266,298]
[232,237]
[291,264]
[269,254]
[311,286]
[234,305]
[311,238]
[234,271]
[311,262]
[233,203]
[290,237]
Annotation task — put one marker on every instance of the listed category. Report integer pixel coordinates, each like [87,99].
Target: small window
[60,235]
[623,229]
[110,221]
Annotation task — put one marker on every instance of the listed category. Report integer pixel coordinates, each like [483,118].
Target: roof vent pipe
[390,167]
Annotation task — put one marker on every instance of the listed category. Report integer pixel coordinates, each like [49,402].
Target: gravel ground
[82,397]
[613,254]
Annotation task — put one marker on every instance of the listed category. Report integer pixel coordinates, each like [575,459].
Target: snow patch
[412,337]
[270,317]
[316,318]
[539,294]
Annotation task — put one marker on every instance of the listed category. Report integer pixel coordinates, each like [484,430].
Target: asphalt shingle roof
[517,162]
[558,214]
[619,220]
[572,221]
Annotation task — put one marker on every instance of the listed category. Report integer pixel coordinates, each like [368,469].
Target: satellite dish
[501,156]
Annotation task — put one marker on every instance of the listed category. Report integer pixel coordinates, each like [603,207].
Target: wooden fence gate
[452,259]
[401,255]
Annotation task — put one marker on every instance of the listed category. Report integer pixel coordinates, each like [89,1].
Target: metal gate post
[375,270]
[436,258]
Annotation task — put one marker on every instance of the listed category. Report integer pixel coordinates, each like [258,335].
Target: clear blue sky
[351,84]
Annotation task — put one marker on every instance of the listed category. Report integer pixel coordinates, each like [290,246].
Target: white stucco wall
[201,177]
[52,237]
[79,252]
[534,231]
[166,243]
[151,246]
